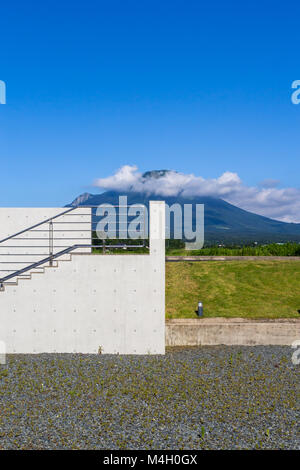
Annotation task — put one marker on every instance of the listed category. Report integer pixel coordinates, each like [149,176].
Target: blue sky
[198,87]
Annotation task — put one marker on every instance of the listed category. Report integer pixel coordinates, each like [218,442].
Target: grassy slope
[263,289]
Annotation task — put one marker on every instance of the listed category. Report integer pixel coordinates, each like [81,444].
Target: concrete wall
[112,303]
[231,331]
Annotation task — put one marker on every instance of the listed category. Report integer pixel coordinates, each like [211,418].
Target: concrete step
[28,274]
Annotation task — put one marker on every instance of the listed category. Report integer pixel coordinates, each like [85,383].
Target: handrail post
[51,242]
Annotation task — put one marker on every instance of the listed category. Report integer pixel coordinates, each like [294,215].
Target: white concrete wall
[115,303]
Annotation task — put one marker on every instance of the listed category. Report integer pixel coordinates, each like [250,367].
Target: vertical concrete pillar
[157,229]
[157,256]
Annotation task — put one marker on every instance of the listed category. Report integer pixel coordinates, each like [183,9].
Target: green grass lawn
[262,289]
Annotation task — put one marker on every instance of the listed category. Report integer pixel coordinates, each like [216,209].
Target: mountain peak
[156,174]
[81,199]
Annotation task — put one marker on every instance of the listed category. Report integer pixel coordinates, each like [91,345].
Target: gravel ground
[216,397]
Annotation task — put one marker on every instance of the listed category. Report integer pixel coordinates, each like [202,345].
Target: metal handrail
[39,263]
[55,217]
[37,225]
[52,245]
[52,257]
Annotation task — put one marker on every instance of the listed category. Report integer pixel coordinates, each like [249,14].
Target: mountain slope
[224,222]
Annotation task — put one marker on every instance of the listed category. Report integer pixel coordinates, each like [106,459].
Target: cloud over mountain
[265,199]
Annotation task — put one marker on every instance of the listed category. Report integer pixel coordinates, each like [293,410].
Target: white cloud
[266,199]
[269,183]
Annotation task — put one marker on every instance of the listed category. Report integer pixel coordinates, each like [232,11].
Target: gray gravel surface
[216,397]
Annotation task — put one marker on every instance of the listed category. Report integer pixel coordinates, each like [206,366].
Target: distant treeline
[177,247]
[273,249]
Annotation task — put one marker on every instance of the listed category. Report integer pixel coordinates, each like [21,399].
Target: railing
[55,237]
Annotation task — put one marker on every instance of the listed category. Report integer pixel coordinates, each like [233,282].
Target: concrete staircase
[28,250]
[40,270]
